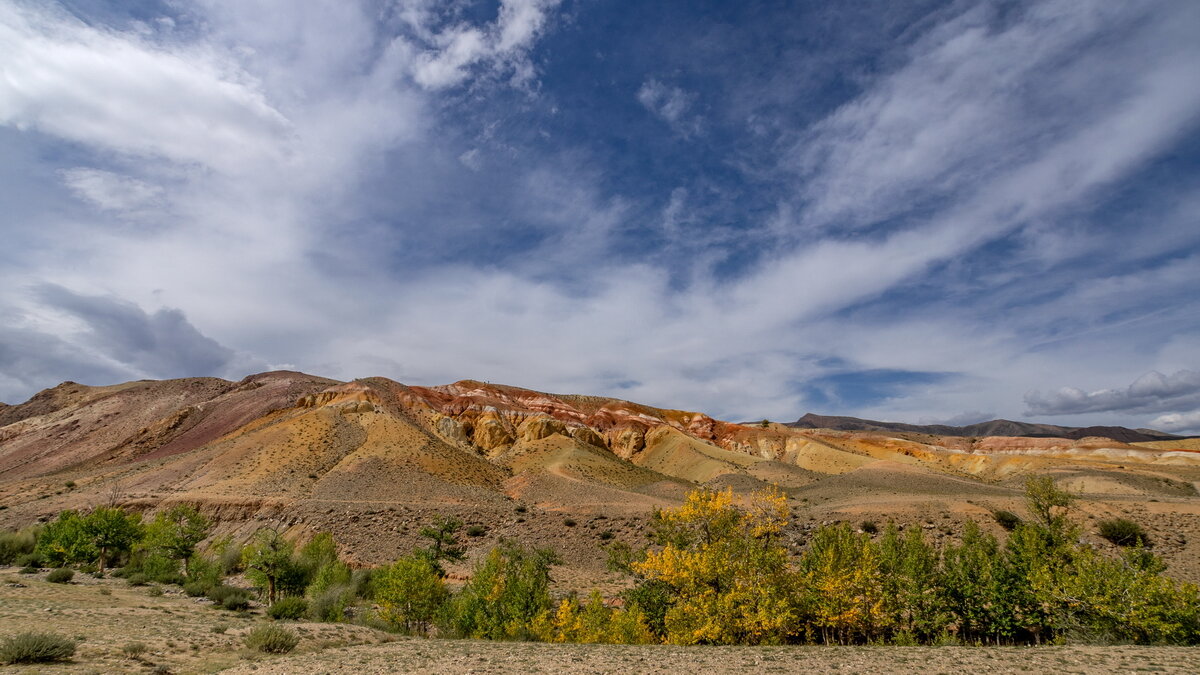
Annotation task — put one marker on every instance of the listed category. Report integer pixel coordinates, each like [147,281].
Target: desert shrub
[476,531]
[197,589]
[60,576]
[218,593]
[410,593]
[288,609]
[606,535]
[133,650]
[270,564]
[569,522]
[272,639]
[29,569]
[869,527]
[173,578]
[1006,519]
[521,508]
[154,591]
[36,648]
[14,545]
[29,560]
[137,579]
[363,582]
[235,603]
[330,605]
[1124,532]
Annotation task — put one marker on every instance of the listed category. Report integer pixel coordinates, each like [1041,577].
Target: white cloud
[671,103]
[1178,422]
[1151,392]
[121,93]
[110,191]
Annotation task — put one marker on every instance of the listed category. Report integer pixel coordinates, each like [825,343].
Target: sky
[916,211]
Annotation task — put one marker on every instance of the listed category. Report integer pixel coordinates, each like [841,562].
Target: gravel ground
[469,656]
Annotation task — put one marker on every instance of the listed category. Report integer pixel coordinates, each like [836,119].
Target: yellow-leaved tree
[725,569]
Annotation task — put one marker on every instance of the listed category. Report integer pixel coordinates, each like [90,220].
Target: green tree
[177,532]
[112,532]
[410,593]
[443,536]
[65,541]
[268,560]
[508,590]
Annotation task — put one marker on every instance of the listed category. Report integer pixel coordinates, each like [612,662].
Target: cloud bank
[974,204]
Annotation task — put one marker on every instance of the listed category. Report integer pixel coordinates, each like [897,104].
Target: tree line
[717,571]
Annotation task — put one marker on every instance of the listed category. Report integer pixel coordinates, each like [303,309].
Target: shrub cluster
[272,639]
[60,576]
[36,648]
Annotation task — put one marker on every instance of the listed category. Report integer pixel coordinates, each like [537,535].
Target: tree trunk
[186,570]
[102,560]
[271,590]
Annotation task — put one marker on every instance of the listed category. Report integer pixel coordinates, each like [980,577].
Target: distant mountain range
[992,428]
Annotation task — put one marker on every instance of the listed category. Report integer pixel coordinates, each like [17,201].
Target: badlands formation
[373,461]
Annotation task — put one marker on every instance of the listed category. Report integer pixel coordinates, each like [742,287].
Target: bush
[29,560]
[272,639]
[288,609]
[476,531]
[36,648]
[174,578]
[60,576]
[154,591]
[235,603]
[869,527]
[1006,519]
[14,545]
[606,535]
[29,569]
[330,605]
[229,597]
[133,650]
[137,579]
[569,522]
[197,589]
[521,508]
[1124,532]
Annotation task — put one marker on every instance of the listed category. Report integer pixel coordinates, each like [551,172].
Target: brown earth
[374,460]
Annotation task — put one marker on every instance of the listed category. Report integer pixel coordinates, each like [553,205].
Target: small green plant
[154,591]
[606,535]
[105,591]
[272,639]
[70,485]
[29,569]
[220,628]
[137,579]
[36,648]
[288,609]
[1124,532]
[1006,519]
[476,531]
[569,522]
[134,650]
[235,603]
[869,527]
[61,575]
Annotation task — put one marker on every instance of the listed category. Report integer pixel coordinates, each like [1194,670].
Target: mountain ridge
[996,427]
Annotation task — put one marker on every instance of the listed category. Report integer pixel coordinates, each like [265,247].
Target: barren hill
[373,460]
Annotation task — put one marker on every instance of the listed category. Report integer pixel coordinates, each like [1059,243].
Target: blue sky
[921,211]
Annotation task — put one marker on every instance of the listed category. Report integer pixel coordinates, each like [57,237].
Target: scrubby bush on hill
[272,639]
[36,648]
[289,609]
[1124,532]
[60,576]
